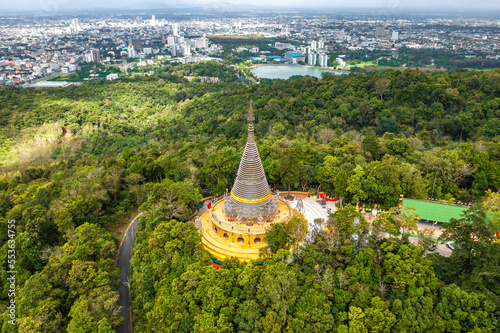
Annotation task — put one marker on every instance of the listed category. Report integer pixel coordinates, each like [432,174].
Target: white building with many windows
[322,60]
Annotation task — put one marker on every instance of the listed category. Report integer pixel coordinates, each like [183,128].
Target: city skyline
[38,47]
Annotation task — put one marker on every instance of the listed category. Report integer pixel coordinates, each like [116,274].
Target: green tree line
[352,280]
[80,160]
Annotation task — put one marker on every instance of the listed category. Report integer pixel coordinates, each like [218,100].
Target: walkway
[312,211]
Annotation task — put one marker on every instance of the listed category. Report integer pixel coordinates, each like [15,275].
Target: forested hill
[444,125]
[76,163]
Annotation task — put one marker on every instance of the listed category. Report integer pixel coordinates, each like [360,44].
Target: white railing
[233,226]
[241,227]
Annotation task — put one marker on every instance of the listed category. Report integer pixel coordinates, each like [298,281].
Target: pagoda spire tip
[250,113]
[250,123]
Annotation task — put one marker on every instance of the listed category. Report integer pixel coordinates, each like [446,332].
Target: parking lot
[441,248]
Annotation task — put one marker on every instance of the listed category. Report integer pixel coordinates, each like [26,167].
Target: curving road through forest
[123,263]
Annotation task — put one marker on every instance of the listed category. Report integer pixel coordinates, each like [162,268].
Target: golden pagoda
[236,223]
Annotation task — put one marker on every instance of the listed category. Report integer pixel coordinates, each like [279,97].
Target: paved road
[124,256]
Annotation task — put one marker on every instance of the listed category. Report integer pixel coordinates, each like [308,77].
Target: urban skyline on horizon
[39,47]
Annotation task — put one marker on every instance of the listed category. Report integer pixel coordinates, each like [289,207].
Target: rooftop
[51,84]
[435,211]
[295,54]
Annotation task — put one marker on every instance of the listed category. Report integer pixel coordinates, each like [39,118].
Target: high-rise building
[96,57]
[311,59]
[379,32]
[171,40]
[395,36]
[186,50]
[136,42]
[131,51]
[205,43]
[317,45]
[322,60]
[175,29]
[298,27]
[153,20]
[75,26]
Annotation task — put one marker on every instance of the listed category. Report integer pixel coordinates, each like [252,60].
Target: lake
[285,71]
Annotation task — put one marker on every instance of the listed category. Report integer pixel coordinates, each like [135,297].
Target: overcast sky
[37,5]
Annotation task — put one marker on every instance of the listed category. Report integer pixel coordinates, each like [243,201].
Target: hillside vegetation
[75,162]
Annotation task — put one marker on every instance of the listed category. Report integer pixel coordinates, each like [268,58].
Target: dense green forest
[438,58]
[348,281]
[76,163]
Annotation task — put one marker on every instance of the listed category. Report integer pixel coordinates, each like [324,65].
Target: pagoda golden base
[225,238]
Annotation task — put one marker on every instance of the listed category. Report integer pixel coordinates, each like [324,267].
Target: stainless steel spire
[251,197]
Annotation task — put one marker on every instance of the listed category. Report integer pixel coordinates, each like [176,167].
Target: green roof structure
[433,211]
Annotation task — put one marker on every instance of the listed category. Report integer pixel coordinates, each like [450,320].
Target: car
[450,245]
[432,247]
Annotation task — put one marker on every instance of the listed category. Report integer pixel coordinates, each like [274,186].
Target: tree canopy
[77,163]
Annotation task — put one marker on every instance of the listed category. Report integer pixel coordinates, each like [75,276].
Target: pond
[285,71]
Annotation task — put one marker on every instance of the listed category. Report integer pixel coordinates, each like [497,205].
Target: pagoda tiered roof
[251,196]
